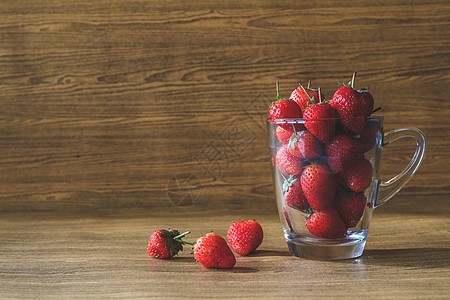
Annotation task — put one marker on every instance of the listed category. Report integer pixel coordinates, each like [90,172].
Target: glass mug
[300,240]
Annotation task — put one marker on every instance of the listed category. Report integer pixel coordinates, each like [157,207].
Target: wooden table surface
[44,256]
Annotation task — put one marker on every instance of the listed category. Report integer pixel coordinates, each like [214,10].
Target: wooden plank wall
[105,105]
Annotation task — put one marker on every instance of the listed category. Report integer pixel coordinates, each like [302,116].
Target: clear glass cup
[300,240]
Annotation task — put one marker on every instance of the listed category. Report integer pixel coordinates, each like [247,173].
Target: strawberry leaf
[288,182]
[292,142]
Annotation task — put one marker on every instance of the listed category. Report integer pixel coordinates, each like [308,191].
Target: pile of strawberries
[211,250]
[322,159]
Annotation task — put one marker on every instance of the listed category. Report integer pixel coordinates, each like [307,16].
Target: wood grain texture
[103,104]
[43,256]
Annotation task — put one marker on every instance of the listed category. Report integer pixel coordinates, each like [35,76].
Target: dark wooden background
[104,105]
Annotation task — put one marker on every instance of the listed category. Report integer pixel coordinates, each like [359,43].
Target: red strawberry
[302,96]
[285,109]
[353,106]
[165,243]
[245,236]
[326,223]
[358,175]
[368,137]
[367,101]
[342,151]
[318,185]
[288,163]
[212,251]
[351,207]
[305,145]
[283,134]
[293,194]
[320,120]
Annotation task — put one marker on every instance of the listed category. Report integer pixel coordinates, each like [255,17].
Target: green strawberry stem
[303,88]
[288,182]
[309,85]
[278,94]
[352,83]
[292,141]
[178,238]
[320,97]
[376,109]
[297,208]
[308,212]
[184,242]
[278,91]
[181,235]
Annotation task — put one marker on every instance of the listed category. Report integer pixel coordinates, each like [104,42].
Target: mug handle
[387,189]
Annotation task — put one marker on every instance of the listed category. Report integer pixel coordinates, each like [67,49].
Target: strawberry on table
[320,120]
[245,236]
[293,194]
[353,106]
[358,176]
[318,185]
[302,96]
[342,151]
[212,251]
[350,206]
[165,243]
[305,145]
[285,109]
[288,163]
[326,223]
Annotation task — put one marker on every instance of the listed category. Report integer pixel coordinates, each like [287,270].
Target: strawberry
[212,251]
[358,175]
[342,151]
[318,185]
[283,134]
[165,243]
[288,163]
[353,106]
[245,236]
[367,101]
[285,109]
[320,120]
[293,194]
[302,96]
[326,223]
[368,137]
[350,206]
[305,145]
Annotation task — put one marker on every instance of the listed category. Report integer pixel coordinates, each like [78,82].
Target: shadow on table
[259,253]
[179,259]
[423,258]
